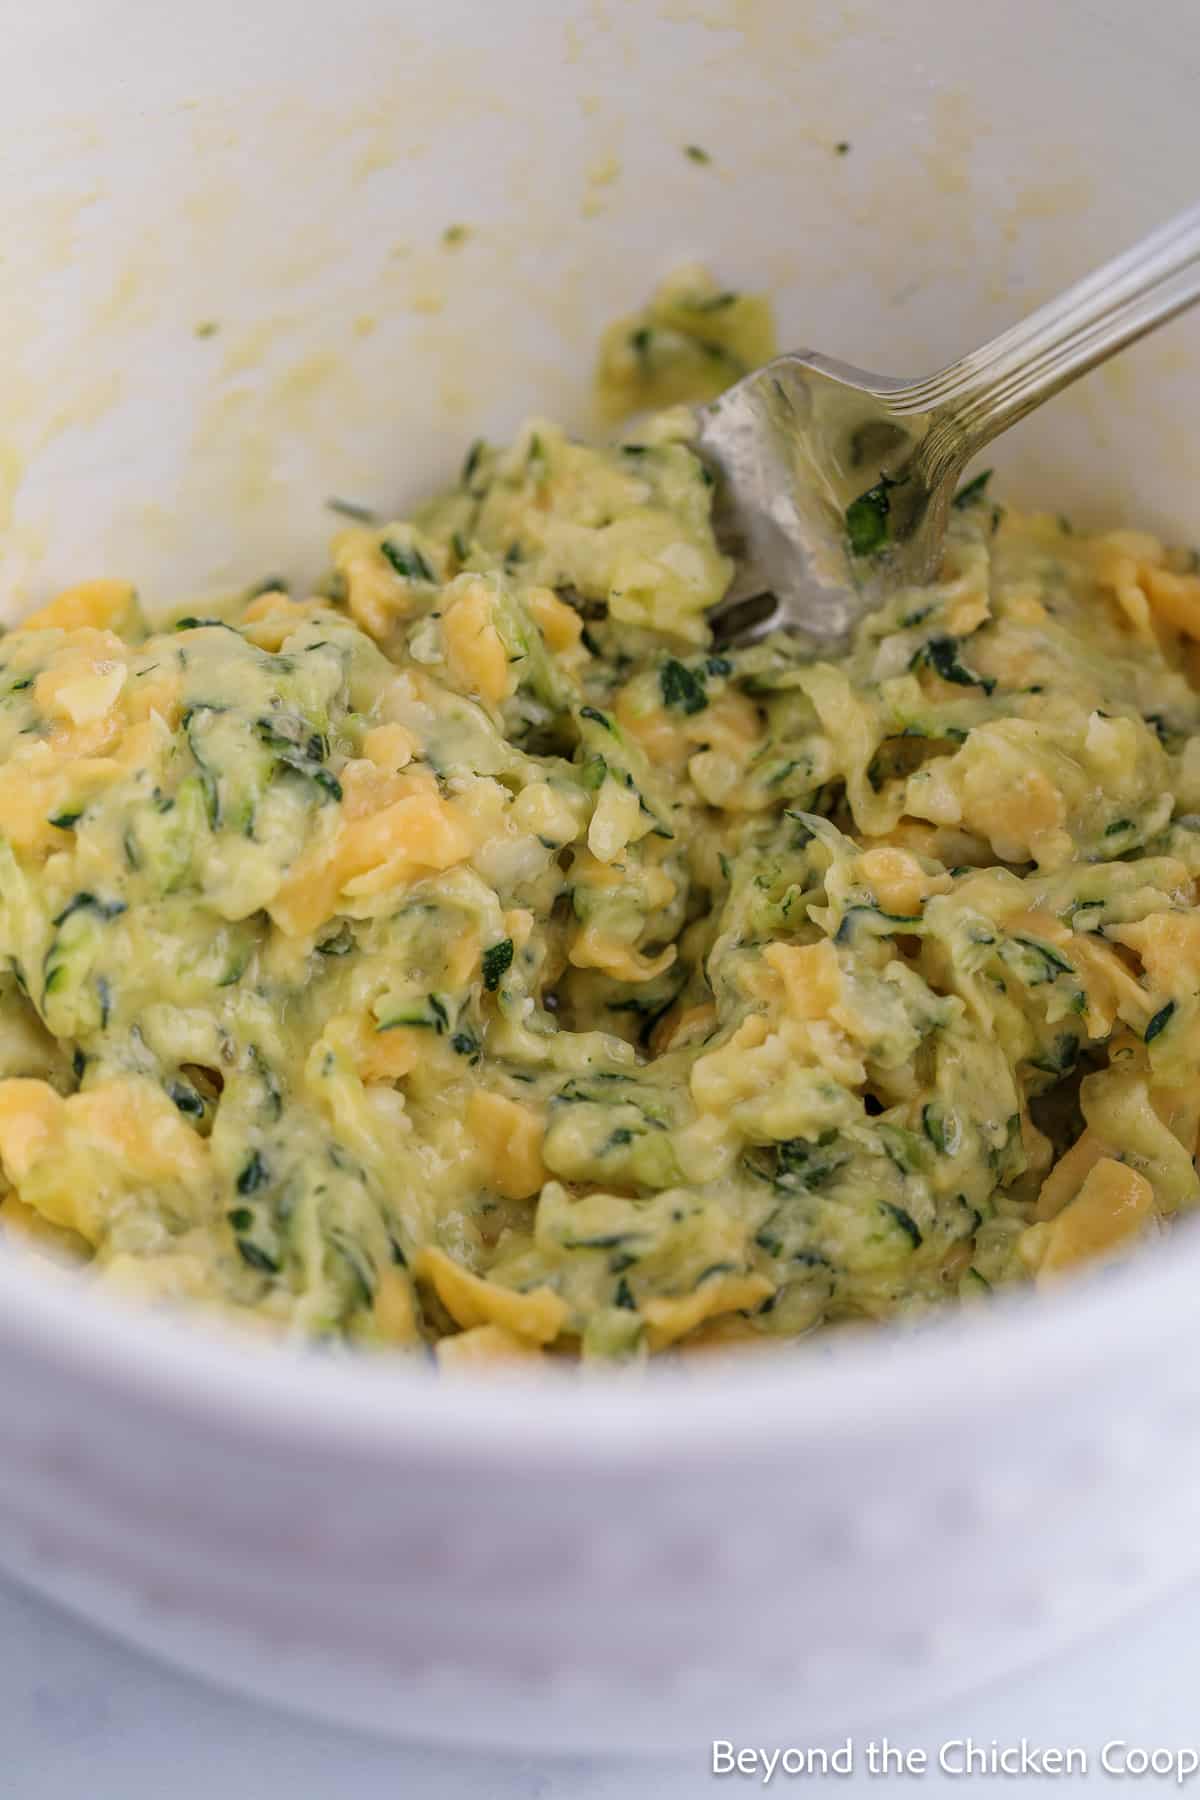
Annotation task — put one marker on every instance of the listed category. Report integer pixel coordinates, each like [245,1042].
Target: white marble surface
[80,1715]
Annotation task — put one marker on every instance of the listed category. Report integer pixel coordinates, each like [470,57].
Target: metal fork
[834,485]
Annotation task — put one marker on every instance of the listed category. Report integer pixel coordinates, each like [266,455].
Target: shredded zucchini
[466,955]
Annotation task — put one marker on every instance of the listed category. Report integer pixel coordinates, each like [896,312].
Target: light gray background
[80,1716]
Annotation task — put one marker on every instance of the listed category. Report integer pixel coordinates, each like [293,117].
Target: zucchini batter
[468,956]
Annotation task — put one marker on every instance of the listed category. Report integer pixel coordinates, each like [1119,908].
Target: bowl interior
[227,292]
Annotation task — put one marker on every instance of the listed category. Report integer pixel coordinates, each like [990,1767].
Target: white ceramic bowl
[774,1548]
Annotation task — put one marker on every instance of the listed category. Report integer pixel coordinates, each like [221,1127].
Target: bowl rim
[862,1388]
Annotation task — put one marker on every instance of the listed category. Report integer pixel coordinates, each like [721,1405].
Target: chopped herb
[867,519]
[407,560]
[65,821]
[596,716]
[353,509]
[941,655]
[471,462]
[254,1174]
[497,959]
[681,688]
[463,1044]
[971,492]
[696,154]
[842,147]
[454,235]
[1159,1022]
[328,784]
[192,623]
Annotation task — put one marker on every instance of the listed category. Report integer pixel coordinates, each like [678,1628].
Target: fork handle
[990,389]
